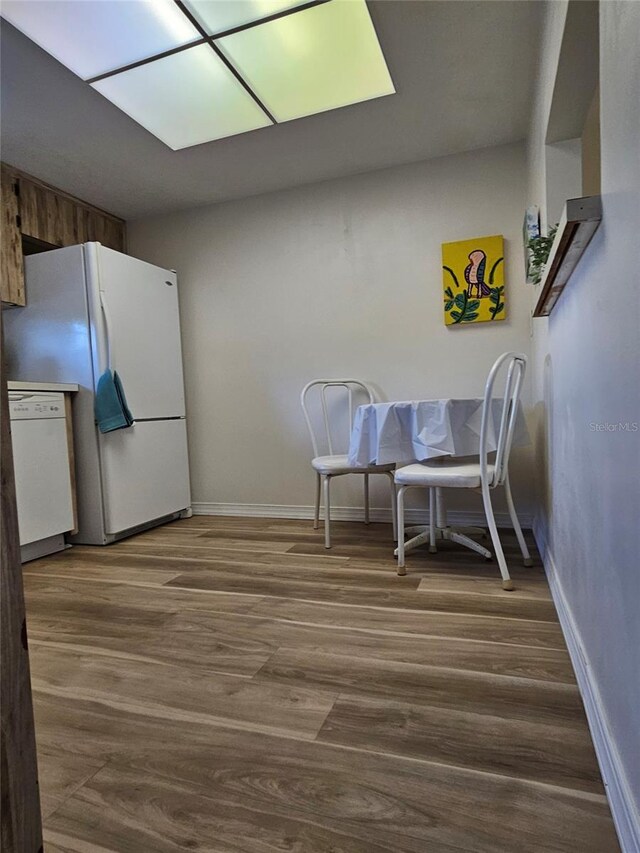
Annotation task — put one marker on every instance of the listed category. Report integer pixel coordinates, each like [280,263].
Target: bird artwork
[474,275]
[473,280]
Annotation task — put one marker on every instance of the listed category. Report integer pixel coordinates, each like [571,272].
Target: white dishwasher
[42,471]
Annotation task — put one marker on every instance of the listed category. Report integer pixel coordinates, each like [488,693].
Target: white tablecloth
[416,430]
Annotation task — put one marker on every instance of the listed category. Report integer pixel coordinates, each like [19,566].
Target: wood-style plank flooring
[228,685]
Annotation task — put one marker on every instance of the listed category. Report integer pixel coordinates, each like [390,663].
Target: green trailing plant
[540,247]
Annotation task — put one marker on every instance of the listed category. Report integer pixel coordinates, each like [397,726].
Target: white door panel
[140,304]
[145,473]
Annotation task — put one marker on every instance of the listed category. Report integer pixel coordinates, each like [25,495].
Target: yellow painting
[473,280]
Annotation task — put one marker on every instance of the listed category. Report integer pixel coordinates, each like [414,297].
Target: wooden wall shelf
[579,222]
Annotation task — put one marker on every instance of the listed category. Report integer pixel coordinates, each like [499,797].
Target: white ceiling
[463,72]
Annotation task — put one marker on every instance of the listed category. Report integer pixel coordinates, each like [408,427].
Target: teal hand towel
[110,406]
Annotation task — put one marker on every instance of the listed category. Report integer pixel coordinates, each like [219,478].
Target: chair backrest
[352,387]
[515,365]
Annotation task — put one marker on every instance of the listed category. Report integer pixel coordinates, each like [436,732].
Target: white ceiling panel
[92,37]
[315,60]
[184,99]
[217,16]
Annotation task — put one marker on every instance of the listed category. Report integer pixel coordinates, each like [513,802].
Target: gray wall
[337,278]
[587,374]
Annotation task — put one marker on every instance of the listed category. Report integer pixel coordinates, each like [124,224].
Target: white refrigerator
[90,308]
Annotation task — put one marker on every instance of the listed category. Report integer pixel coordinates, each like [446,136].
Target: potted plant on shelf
[540,247]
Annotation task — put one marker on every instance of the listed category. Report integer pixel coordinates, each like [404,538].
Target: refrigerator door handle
[107,329]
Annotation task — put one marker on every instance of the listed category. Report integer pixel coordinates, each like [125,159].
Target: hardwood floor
[227,685]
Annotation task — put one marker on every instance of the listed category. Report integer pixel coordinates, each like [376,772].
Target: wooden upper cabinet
[95,227]
[38,217]
[11,267]
[60,220]
[47,216]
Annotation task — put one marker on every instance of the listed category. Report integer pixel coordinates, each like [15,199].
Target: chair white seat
[336,464]
[476,473]
[339,464]
[453,474]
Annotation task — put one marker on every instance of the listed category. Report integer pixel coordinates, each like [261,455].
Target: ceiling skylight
[169,65]
[92,37]
[185,99]
[218,16]
[316,60]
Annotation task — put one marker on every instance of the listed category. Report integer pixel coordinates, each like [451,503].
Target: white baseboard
[347,513]
[621,801]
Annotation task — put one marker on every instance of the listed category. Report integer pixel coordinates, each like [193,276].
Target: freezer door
[140,324]
[145,473]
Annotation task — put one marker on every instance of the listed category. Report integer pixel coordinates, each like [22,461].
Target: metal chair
[337,464]
[481,475]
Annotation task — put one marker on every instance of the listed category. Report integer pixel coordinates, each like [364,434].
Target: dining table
[408,431]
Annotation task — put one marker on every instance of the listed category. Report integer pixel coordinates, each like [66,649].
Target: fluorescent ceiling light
[169,65]
[92,37]
[314,60]
[217,16]
[185,99]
